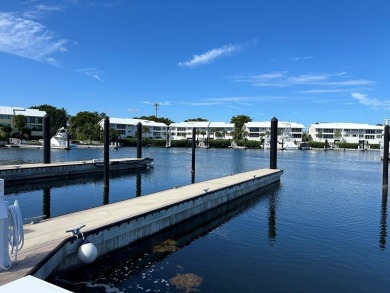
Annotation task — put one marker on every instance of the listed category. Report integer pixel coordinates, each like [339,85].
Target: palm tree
[319,134]
[20,123]
[197,134]
[338,134]
[262,139]
[7,130]
[203,133]
[244,135]
[212,132]
[145,130]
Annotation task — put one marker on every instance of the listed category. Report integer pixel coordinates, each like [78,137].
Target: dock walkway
[44,237]
[29,172]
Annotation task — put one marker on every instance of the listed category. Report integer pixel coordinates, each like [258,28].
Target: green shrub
[219,143]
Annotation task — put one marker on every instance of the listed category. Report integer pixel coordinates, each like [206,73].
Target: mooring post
[68,141]
[138,185]
[46,139]
[274,143]
[106,151]
[193,150]
[139,140]
[167,142]
[386,157]
[383,225]
[106,195]
[46,202]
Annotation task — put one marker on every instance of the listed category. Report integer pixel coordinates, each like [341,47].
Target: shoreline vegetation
[187,143]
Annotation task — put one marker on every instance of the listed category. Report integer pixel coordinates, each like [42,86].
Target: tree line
[84,125]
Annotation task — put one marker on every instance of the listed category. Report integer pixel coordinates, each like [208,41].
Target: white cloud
[28,39]
[282,79]
[92,72]
[307,78]
[210,56]
[133,110]
[370,102]
[302,58]
[40,10]
[325,91]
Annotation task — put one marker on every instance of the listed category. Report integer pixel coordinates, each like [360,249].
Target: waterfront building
[127,127]
[34,119]
[346,132]
[204,130]
[258,130]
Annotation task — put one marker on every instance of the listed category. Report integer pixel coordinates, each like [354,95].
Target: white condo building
[257,130]
[346,132]
[204,129]
[127,127]
[34,118]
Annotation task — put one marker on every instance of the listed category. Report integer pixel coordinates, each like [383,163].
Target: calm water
[322,229]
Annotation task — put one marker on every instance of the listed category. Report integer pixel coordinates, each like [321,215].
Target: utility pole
[156,105]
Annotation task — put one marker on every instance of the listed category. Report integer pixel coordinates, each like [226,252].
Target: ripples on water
[322,229]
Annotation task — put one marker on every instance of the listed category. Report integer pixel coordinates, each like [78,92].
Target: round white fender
[87,252]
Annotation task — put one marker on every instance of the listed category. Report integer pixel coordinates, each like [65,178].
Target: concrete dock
[49,249]
[30,172]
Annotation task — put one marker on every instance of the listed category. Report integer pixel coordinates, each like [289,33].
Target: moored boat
[60,140]
[304,146]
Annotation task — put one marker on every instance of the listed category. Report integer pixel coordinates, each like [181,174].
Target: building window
[35,127]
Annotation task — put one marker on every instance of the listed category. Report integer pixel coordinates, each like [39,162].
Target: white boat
[286,140]
[202,145]
[60,140]
[234,145]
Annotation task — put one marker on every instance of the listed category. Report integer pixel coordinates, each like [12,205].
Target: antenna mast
[156,105]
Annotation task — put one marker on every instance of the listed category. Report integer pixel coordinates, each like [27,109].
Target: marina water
[322,229]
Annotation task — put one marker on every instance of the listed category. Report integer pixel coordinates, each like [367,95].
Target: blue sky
[303,61]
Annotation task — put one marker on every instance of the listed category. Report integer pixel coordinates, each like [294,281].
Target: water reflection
[138,191]
[46,202]
[383,224]
[106,194]
[47,186]
[272,217]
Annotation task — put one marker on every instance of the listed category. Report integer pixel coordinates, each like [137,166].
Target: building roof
[281,124]
[131,121]
[336,125]
[202,124]
[4,110]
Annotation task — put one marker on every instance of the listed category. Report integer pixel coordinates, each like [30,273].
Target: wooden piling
[193,150]
[106,151]
[385,157]
[46,139]
[274,143]
[139,140]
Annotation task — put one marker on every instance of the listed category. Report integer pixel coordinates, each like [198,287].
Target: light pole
[156,105]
